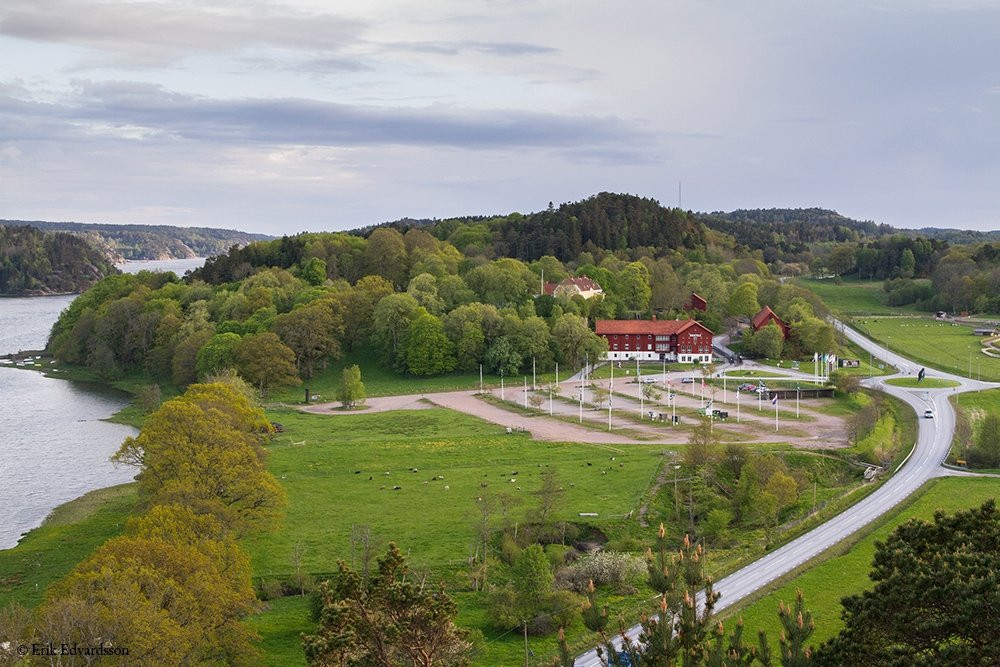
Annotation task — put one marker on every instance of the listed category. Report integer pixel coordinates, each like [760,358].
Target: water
[53,445]
[178,266]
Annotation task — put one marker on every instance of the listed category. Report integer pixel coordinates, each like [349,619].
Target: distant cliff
[34,263]
[122,242]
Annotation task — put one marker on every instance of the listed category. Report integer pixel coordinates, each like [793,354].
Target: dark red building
[696,302]
[685,341]
[765,317]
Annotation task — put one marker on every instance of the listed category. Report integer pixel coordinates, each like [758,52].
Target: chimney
[654,317]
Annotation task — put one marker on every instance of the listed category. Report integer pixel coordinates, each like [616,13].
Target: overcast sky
[280,117]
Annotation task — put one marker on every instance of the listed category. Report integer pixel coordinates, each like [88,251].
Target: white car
[928,414]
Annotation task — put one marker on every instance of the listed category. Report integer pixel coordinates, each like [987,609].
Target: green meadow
[853,296]
[382,381]
[844,570]
[942,345]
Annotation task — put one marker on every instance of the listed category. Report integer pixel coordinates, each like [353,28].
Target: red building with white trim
[685,341]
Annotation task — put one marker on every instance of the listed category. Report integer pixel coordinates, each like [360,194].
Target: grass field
[382,381]
[926,383]
[853,296]
[942,345]
[846,571]
[328,484]
[430,519]
[69,535]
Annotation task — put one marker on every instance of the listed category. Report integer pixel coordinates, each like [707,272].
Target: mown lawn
[926,383]
[845,572]
[942,345]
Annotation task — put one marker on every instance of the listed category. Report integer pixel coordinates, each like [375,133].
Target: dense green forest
[132,242]
[34,262]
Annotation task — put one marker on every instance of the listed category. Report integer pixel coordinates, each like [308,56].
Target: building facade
[684,341]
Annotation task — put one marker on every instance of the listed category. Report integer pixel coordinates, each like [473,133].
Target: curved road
[924,462]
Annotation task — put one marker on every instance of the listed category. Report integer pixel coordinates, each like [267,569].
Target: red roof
[658,327]
[760,319]
[550,288]
[583,282]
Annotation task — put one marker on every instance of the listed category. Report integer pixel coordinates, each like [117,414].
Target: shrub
[603,568]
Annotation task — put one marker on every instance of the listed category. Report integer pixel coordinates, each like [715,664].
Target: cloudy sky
[313,114]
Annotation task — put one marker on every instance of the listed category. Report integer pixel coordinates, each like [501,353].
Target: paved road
[933,441]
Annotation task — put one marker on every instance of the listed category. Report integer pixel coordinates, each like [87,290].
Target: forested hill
[605,221]
[33,262]
[121,242]
[779,231]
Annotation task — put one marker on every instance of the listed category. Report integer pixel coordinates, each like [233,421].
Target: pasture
[853,296]
[942,345]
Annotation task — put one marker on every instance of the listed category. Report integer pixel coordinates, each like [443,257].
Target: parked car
[687,380]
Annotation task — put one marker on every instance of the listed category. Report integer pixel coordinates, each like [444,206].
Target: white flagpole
[480,378]
[775,414]
[796,401]
[525,391]
[737,405]
[724,394]
[611,393]
[501,386]
[551,388]
[534,384]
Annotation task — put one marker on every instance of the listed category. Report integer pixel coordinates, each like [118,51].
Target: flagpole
[796,401]
[550,388]
[775,413]
[737,405]
[480,378]
[525,391]
[611,393]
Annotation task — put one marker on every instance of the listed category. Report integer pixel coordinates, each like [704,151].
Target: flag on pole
[774,400]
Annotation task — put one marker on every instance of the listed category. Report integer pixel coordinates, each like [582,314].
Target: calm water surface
[53,446]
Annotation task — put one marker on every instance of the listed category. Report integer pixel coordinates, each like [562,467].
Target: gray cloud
[160,32]
[311,122]
[507,49]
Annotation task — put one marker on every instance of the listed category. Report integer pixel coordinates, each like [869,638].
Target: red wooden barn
[765,317]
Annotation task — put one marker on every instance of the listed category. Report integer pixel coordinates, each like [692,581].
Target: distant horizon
[317,229]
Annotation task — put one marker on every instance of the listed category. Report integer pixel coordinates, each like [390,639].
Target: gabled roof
[657,327]
[695,295]
[582,282]
[761,318]
[550,288]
